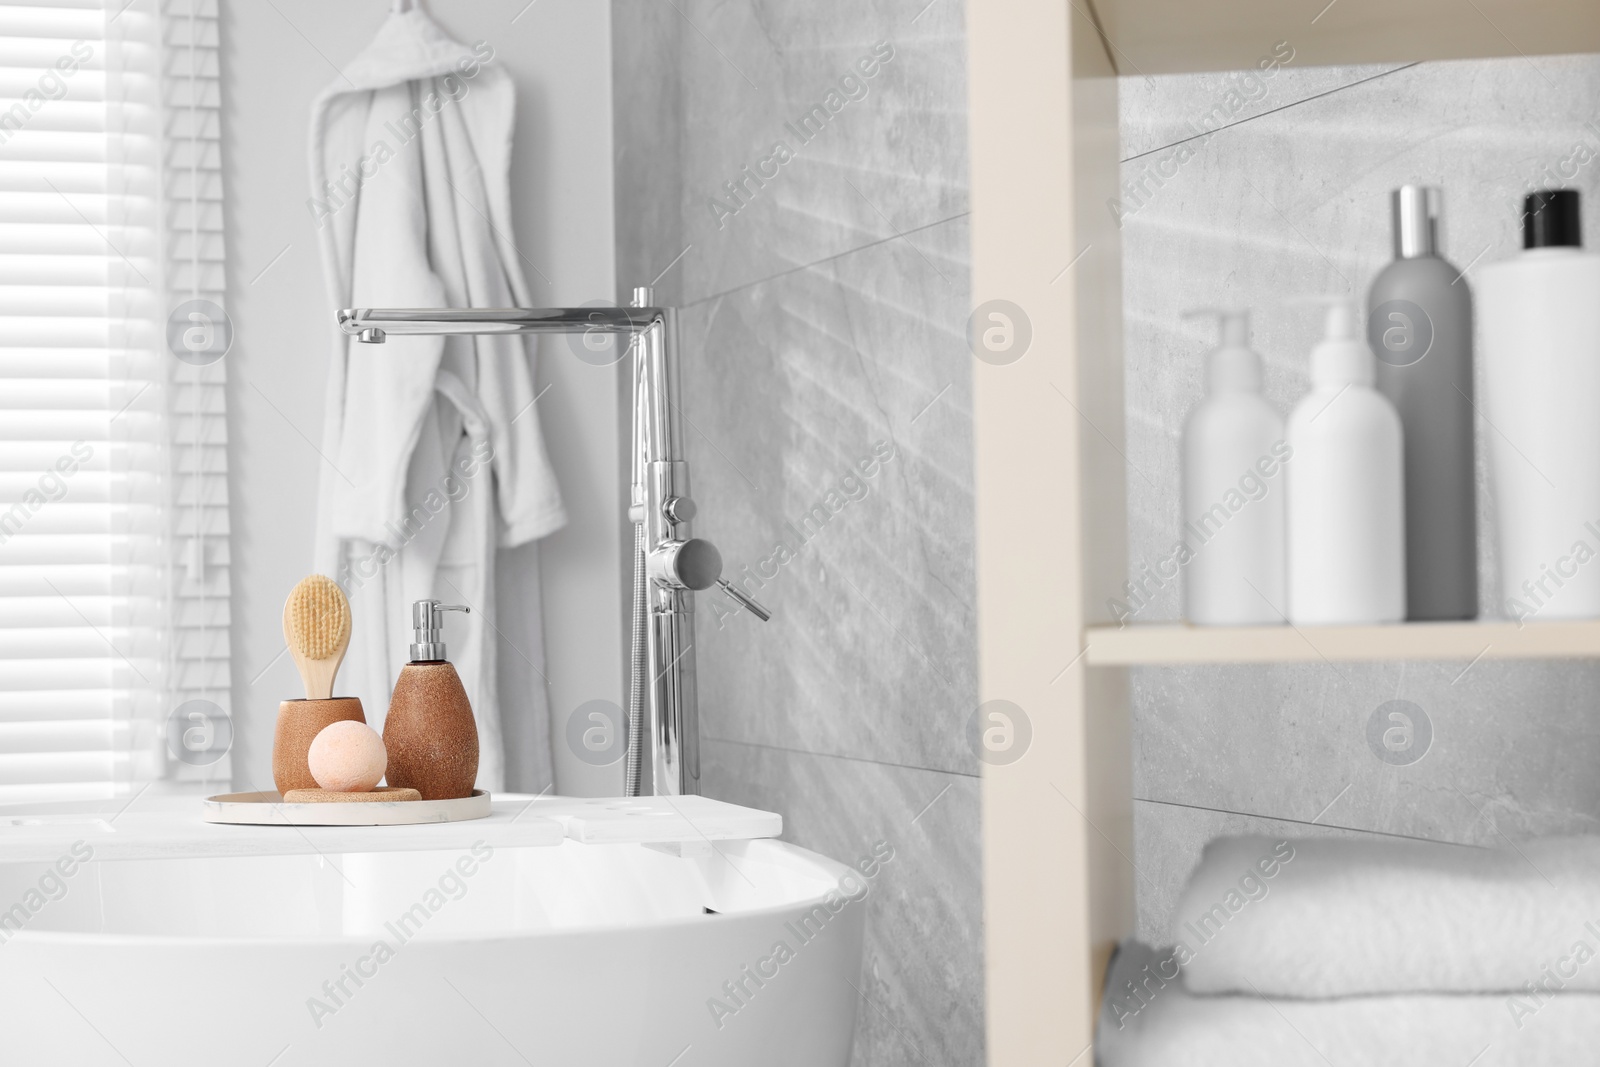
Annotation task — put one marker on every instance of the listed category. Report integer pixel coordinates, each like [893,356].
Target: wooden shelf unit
[1051,514]
[1184,645]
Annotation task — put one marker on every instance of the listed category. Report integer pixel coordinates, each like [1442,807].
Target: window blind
[194,253]
[109,189]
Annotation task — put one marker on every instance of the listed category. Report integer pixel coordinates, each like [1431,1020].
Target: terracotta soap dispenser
[430,733]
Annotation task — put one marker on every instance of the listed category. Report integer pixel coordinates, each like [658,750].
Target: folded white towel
[1164,1025]
[1338,917]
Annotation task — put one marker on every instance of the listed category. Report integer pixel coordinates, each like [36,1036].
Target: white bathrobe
[432,447]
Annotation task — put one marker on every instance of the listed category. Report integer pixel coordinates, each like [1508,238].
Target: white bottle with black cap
[1539,314]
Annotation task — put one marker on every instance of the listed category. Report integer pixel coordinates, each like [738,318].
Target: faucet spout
[372,325]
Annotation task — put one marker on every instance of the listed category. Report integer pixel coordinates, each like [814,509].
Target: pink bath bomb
[347,757]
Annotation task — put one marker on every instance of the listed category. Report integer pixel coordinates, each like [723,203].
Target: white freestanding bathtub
[474,954]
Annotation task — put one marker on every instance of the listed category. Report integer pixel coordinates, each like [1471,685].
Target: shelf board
[1169,36]
[1127,646]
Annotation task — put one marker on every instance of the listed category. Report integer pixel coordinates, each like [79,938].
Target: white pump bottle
[1347,559]
[1233,491]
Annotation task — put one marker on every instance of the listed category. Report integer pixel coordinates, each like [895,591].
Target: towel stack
[1368,953]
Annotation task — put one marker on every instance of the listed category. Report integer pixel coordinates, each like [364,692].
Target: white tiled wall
[823,319]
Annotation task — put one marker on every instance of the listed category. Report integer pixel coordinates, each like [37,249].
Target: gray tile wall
[823,322]
[1291,197]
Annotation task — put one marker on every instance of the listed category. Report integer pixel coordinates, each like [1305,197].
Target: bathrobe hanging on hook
[432,451]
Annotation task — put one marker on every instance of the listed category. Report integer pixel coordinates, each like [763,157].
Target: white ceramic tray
[268,809]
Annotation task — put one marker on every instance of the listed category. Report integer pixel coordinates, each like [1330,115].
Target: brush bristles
[319,617]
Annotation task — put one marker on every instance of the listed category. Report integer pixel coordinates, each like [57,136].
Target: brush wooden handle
[317,673]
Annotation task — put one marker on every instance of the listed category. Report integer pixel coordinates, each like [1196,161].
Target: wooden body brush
[316,627]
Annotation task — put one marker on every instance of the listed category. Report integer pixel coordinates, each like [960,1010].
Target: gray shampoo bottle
[1419,324]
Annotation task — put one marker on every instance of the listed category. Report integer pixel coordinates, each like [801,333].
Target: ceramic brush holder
[299,722]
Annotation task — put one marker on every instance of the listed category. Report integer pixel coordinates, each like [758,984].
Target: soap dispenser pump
[1346,486]
[429,732]
[1232,547]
